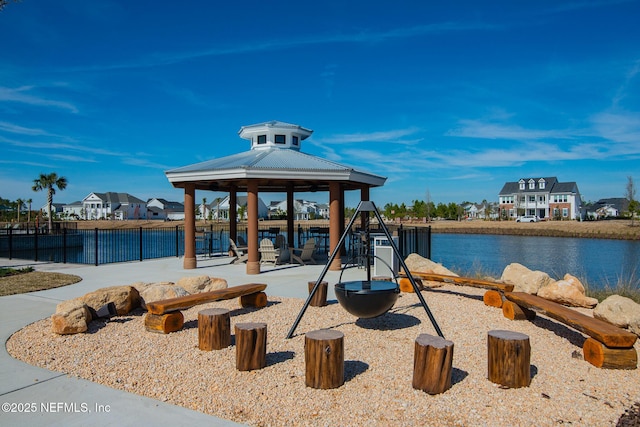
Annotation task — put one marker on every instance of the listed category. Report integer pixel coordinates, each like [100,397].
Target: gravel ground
[378,367]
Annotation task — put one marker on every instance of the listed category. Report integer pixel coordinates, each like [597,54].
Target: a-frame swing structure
[366,207]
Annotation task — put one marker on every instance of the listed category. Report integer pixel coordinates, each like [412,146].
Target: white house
[545,197]
[73,210]
[112,205]
[303,209]
[163,209]
[219,209]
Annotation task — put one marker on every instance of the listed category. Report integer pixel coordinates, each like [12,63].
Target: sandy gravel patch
[378,367]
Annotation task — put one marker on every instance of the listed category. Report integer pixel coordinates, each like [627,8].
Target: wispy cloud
[22,95]
[58,146]
[254,46]
[392,136]
[484,130]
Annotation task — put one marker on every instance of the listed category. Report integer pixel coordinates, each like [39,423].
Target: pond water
[599,262]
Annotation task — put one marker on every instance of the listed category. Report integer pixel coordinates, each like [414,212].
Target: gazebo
[273,164]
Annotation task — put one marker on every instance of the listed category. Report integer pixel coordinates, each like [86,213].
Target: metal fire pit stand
[366,206]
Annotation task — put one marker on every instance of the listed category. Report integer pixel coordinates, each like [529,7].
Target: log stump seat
[324,359]
[251,346]
[214,329]
[508,358]
[165,316]
[432,364]
[608,347]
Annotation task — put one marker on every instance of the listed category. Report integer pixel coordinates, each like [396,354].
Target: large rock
[621,311]
[126,298]
[159,292]
[523,279]
[198,284]
[420,264]
[568,291]
[71,317]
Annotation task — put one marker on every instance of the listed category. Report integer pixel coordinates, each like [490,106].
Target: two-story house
[158,208]
[113,206]
[545,197]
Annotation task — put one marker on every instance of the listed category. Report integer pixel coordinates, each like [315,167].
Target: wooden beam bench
[492,297]
[462,281]
[165,316]
[608,346]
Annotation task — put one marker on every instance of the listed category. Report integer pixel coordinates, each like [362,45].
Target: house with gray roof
[158,208]
[113,205]
[545,197]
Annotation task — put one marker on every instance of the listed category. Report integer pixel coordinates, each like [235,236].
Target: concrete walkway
[41,397]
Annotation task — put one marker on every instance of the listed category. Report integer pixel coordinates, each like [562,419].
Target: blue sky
[451,98]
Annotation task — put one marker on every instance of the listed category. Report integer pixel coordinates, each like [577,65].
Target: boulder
[71,317]
[194,284]
[126,298]
[523,279]
[215,284]
[568,291]
[159,292]
[620,311]
[418,263]
[198,284]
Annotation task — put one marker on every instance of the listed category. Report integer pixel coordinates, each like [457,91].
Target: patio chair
[236,252]
[268,254]
[304,254]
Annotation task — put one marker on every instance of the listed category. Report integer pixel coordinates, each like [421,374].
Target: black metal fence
[103,246]
[414,240]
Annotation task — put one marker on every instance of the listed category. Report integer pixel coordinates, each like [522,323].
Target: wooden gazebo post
[253,262]
[334,222]
[290,216]
[189,226]
[233,214]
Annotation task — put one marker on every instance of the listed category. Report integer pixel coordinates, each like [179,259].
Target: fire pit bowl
[366,299]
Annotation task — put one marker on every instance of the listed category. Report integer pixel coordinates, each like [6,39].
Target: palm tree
[29,201]
[48,182]
[19,202]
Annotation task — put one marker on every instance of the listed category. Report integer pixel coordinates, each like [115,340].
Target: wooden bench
[165,316]
[493,297]
[463,281]
[609,346]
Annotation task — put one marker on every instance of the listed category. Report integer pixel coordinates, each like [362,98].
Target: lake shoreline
[619,229]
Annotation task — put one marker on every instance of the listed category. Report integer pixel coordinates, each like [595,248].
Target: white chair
[268,254]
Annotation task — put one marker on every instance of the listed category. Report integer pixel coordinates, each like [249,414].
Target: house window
[262,139]
[532,198]
[565,212]
[280,139]
[542,184]
[522,185]
[522,199]
[294,140]
[541,199]
[532,185]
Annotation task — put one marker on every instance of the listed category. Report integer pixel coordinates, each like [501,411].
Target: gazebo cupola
[274,134]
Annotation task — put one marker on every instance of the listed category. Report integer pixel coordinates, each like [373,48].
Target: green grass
[627,286]
[6,271]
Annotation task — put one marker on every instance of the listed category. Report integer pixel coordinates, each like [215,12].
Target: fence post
[35,245]
[96,245]
[401,238]
[141,244]
[429,242]
[177,243]
[10,243]
[416,241]
[64,245]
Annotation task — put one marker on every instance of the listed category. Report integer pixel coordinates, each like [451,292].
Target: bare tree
[630,195]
